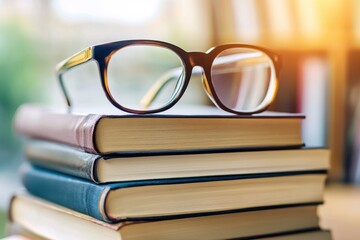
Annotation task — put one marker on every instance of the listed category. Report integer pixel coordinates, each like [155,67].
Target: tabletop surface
[341,211]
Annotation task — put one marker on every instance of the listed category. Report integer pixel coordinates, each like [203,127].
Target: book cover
[114,168]
[159,199]
[188,130]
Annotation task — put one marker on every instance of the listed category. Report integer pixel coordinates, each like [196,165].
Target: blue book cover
[96,199]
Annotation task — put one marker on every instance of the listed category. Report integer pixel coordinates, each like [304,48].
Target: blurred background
[319,41]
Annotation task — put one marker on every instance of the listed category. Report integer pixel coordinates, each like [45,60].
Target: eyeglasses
[146,76]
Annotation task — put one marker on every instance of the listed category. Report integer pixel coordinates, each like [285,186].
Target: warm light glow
[309,22]
[128,12]
[280,18]
[356,21]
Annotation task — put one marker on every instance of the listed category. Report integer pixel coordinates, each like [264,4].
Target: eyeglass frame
[102,53]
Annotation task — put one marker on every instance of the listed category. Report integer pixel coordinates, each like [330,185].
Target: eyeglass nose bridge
[199,59]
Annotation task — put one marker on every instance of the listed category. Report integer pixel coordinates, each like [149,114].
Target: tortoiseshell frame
[102,53]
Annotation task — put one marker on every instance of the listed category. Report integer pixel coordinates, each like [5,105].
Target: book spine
[75,130]
[61,158]
[76,194]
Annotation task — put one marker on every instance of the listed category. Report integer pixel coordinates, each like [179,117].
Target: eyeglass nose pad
[207,87]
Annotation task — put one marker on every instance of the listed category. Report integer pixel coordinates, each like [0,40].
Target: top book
[203,129]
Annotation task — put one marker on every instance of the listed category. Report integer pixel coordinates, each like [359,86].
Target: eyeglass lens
[241,78]
[134,72]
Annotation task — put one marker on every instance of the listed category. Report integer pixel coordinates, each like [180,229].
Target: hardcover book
[57,222]
[161,199]
[193,129]
[104,169]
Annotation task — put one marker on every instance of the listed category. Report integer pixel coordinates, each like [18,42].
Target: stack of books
[199,174]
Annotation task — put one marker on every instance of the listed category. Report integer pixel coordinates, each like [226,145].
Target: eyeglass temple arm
[173,74]
[73,61]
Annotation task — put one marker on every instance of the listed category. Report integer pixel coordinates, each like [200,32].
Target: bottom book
[51,221]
